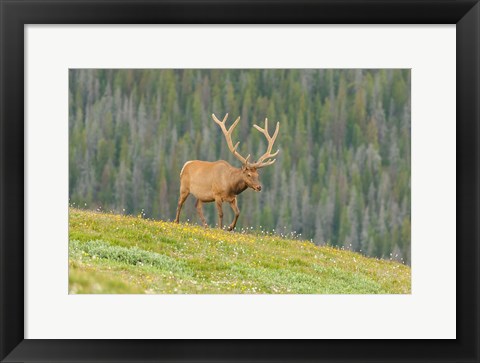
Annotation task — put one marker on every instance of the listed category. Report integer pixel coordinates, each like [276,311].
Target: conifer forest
[341,178]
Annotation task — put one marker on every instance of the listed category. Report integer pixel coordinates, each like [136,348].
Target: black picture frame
[16,14]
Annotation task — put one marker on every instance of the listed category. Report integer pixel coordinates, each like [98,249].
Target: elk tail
[184,165]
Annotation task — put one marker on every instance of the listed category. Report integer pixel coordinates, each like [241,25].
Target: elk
[220,182]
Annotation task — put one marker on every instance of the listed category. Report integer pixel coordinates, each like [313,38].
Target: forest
[342,177]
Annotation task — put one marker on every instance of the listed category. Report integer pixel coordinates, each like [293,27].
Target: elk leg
[183,196]
[218,202]
[198,205]
[235,209]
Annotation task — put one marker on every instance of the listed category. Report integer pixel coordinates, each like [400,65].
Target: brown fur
[220,182]
[217,182]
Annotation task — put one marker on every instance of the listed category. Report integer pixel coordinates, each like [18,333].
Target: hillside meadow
[116,254]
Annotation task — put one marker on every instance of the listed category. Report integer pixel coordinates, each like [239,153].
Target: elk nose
[259,188]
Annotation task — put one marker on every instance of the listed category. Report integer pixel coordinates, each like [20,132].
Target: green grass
[112,254]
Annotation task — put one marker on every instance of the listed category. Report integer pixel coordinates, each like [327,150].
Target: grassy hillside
[118,254]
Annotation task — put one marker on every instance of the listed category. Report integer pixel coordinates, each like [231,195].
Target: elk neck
[238,185]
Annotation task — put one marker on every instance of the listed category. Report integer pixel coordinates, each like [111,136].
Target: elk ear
[245,163]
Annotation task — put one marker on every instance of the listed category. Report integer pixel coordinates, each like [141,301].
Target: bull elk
[219,181]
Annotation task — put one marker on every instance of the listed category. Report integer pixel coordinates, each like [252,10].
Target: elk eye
[249,174]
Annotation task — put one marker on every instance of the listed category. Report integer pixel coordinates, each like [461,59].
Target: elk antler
[228,137]
[271,139]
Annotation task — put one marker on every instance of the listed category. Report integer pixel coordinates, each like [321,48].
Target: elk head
[250,177]
[250,170]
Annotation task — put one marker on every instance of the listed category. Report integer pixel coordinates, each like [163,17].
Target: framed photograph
[239,181]
[284,221]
